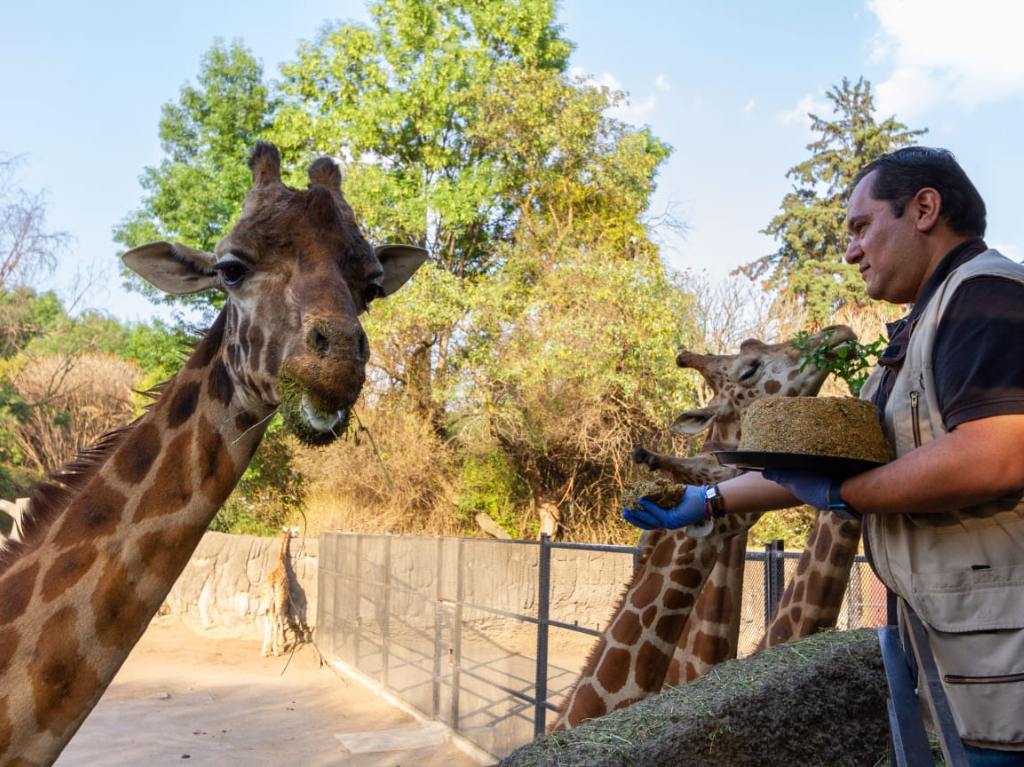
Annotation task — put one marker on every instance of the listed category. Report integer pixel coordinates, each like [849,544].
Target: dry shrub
[72,401]
[391,474]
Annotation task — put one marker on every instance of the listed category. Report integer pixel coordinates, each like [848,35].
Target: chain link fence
[489,636]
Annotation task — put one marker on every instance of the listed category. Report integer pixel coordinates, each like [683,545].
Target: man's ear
[399,262]
[694,421]
[173,268]
[927,208]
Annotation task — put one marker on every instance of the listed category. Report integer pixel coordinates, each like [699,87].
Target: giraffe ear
[694,421]
[399,263]
[173,268]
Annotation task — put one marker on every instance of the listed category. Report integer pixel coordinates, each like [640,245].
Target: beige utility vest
[962,571]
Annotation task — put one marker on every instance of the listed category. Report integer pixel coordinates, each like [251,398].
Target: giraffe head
[297,273]
[758,370]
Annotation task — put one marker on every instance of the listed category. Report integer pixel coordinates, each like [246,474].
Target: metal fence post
[540,687]
[774,578]
[460,596]
[356,619]
[438,573]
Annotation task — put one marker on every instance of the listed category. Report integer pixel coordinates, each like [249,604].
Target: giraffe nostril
[318,342]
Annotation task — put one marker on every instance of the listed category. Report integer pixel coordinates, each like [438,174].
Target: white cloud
[947,52]
[629,111]
[749,106]
[808,104]
[661,83]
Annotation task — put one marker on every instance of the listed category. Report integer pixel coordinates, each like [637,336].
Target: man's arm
[978,461]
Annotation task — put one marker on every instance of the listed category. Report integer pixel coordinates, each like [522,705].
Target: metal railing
[408,632]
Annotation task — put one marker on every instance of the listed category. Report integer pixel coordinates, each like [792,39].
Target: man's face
[886,249]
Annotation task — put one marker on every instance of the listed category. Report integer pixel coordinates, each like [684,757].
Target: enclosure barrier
[461,628]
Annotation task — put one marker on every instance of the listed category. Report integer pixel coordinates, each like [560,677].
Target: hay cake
[841,427]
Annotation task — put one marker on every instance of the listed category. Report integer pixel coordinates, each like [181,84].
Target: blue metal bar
[540,690]
[909,741]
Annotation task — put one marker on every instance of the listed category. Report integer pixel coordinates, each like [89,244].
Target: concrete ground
[184,699]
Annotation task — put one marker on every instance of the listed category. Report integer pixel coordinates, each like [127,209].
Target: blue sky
[726,83]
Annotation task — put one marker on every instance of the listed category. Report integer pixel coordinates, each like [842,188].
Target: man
[944,522]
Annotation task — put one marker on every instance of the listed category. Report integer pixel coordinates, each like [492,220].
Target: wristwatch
[837,504]
[714,503]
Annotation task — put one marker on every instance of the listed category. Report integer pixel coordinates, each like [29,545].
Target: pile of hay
[818,701]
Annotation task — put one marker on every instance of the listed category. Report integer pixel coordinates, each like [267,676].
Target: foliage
[851,362]
[196,192]
[27,247]
[810,227]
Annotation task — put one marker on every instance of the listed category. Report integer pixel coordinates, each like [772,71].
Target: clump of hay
[657,490]
[818,701]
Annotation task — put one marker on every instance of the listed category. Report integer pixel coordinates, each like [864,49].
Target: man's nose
[853,252]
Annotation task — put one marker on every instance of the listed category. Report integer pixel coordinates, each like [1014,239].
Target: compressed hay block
[817,701]
[657,490]
[840,427]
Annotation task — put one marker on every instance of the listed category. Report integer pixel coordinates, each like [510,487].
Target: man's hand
[692,510]
[807,486]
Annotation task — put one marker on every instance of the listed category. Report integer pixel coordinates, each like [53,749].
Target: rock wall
[219,590]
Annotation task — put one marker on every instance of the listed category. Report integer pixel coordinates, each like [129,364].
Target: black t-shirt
[977,358]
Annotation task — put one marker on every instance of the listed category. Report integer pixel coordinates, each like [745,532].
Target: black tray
[822,464]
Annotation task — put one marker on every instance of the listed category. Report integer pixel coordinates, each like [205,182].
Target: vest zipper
[1001,679]
[915,417]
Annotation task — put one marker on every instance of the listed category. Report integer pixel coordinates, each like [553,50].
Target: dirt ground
[181,699]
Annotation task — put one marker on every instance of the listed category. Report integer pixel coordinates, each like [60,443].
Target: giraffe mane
[52,495]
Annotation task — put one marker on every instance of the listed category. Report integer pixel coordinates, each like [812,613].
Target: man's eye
[232,272]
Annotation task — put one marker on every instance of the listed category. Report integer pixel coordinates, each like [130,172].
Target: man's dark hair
[903,173]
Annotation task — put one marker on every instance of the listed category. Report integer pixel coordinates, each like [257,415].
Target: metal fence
[466,631]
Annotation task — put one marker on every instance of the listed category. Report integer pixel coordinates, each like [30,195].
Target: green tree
[196,192]
[809,228]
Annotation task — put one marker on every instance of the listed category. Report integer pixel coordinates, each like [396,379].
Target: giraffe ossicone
[105,537]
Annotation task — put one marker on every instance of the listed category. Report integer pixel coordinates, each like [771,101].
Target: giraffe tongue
[321,421]
[701,530]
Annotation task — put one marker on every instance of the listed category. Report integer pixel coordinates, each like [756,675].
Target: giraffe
[107,535]
[275,602]
[632,657]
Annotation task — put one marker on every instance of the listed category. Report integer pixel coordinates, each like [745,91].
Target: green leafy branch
[851,361]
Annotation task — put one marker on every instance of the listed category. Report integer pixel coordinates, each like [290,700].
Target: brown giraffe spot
[688,577]
[216,470]
[823,545]
[674,599]
[772,387]
[63,684]
[6,731]
[782,629]
[715,603]
[648,590]
[255,346]
[651,665]
[710,648]
[272,362]
[119,613]
[691,671]
[798,592]
[166,552]
[9,639]
[16,592]
[221,387]
[614,670]
[69,568]
[172,488]
[649,615]
[138,453]
[92,515]
[792,374]
[587,705]
[797,613]
[245,421]
[625,703]
[792,391]
[183,404]
[849,530]
[670,627]
[626,629]
[824,589]
[663,553]
[208,347]
[707,559]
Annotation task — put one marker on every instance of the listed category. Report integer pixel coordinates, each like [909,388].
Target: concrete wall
[219,590]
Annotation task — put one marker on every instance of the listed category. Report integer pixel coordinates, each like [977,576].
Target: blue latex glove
[809,487]
[650,516]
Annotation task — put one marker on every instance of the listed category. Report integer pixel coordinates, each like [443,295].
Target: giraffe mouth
[309,423]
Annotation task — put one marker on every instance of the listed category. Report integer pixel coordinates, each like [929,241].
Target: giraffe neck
[630,660]
[101,555]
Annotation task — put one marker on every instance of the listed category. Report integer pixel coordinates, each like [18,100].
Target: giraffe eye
[232,272]
[373,290]
[749,373]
